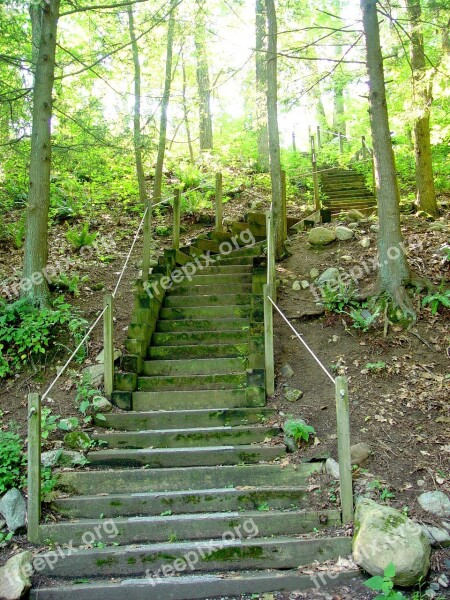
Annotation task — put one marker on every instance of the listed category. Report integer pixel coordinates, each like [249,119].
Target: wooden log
[343,438]
[218,201]
[268,341]
[176,219]
[34,467]
[108,344]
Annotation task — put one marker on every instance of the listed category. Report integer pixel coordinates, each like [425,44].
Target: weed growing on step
[299,430]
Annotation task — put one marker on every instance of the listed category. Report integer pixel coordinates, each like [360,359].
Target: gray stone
[436,503]
[314,273]
[296,286]
[374,228]
[331,275]
[101,404]
[343,233]
[77,440]
[443,580]
[287,371]
[438,537]
[429,593]
[66,458]
[346,258]
[304,284]
[15,576]
[101,357]
[332,468]
[353,225]
[292,395]
[320,236]
[2,524]
[290,443]
[365,242]
[384,535]
[355,215]
[94,374]
[14,510]
[360,453]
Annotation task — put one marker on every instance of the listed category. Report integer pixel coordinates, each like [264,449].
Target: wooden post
[373,175]
[34,467]
[343,438]
[147,242]
[294,144]
[218,201]
[364,149]
[176,219]
[315,176]
[268,341]
[283,204]
[270,234]
[341,143]
[108,343]
[319,140]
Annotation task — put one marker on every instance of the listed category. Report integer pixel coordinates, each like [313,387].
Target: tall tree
[261,86]
[44,19]
[422,96]
[203,83]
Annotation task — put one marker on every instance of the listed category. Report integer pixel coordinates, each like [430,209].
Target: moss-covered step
[207,300]
[203,325]
[202,366]
[177,338]
[130,481]
[215,381]
[202,278]
[206,312]
[173,419]
[182,502]
[224,269]
[184,438]
[198,351]
[176,400]
[237,555]
[227,260]
[213,290]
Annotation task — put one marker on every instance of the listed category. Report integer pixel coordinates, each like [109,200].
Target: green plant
[386,494]
[12,461]
[49,422]
[5,537]
[376,366]
[336,296]
[163,230]
[436,300]
[48,485]
[263,507]
[299,430]
[65,282]
[384,584]
[80,237]
[363,319]
[84,399]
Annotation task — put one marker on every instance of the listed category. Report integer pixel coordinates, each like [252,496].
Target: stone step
[192,338]
[206,312]
[192,587]
[359,193]
[215,279]
[212,555]
[214,381]
[206,300]
[129,481]
[198,351]
[211,290]
[182,502]
[173,419]
[227,260]
[203,325]
[224,269]
[178,400]
[203,366]
[186,438]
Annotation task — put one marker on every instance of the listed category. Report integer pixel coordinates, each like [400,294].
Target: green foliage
[376,366]
[49,422]
[48,485]
[27,331]
[189,175]
[384,585]
[12,461]
[79,238]
[436,300]
[363,319]
[85,400]
[69,283]
[299,430]
[163,230]
[335,297]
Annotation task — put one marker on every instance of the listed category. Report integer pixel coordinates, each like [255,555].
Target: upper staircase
[345,189]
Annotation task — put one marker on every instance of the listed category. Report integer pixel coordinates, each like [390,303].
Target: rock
[332,468]
[438,537]
[256,205]
[290,443]
[360,453]
[443,580]
[14,509]
[374,228]
[365,242]
[429,593]
[94,374]
[355,215]
[101,357]
[2,524]
[346,258]
[15,576]
[296,286]
[384,535]
[304,284]
[101,404]
[292,395]
[331,275]
[343,233]
[287,371]
[353,225]
[314,273]
[320,236]
[77,440]
[66,458]
[436,503]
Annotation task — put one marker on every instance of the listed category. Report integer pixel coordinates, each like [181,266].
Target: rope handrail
[129,253]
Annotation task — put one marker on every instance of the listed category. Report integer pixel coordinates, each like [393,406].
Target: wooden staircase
[345,189]
[190,497]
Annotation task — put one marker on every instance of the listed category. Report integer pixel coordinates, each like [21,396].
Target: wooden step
[202,366]
[178,400]
[214,381]
[192,338]
[198,351]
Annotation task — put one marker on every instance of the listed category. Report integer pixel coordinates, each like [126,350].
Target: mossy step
[239,311]
[185,438]
[172,419]
[186,457]
[215,279]
[198,351]
[177,338]
[176,400]
[210,290]
[203,325]
[212,555]
[203,366]
[228,260]
[181,502]
[206,300]
[214,381]
[193,526]
[224,269]
[350,194]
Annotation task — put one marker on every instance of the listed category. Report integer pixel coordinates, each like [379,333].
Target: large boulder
[320,236]
[384,535]
[14,510]
[15,576]
[436,503]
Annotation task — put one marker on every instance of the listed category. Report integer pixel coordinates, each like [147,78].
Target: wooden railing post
[319,139]
[218,201]
[34,467]
[315,176]
[343,438]
[270,234]
[268,341]
[283,204]
[294,144]
[364,149]
[341,142]
[108,344]
[176,219]
[147,243]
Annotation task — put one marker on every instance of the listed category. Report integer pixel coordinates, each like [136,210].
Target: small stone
[296,286]
[443,580]
[343,233]
[101,357]
[287,371]
[101,404]
[355,215]
[292,395]
[94,374]
[15,576]
[365,242]
[77,440]
[436,503]
[332,468]
[435,587]
[352,225]
[429,593]
[290,443]
[360,453]
[2,524]
[321,236]
[314,273]
[374,228]
[346,258]
[66,458]
[14,510]
[438,537]
[304,284]
[421,482]
[331,275]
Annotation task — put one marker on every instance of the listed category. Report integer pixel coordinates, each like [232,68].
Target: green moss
[103,562]
[226,554]
[115,503]
[131,560]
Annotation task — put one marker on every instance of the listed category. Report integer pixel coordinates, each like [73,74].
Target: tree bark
[44,17]
[394,272]
[186,115]
[274,139]
[426,194]
[204,86]
[261,86]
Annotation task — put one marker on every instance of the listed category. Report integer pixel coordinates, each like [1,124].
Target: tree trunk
[204,87]
[137,111]
[261,86]
[274,139]
[338,108]
[186,115]
[394,272]
[35,287]
[426,194]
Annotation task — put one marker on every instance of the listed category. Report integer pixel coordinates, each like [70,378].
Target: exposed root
[421,283]
[401,299]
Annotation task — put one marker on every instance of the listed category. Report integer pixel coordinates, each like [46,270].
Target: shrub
[12,461]
[299,430]
[80,237]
